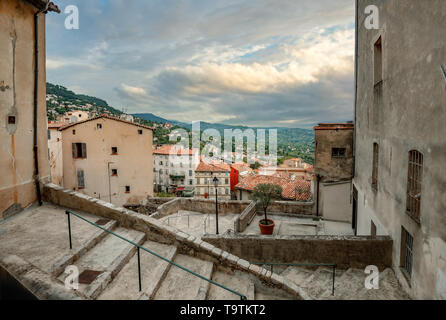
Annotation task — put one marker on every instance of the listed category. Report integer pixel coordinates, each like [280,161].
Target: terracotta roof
[105,117]
[41,5]
[241,166]
[213,167]
[168,149]
[297,190]
[56,125]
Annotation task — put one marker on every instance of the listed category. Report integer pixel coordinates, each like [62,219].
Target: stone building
[204,176]
[400,140]
[108,158]
[333,170]
[73,116]
[174,166]
[24,155]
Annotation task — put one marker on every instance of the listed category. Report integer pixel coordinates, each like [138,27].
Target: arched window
[414,184]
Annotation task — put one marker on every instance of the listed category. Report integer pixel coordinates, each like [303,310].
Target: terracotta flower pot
[206,195]
[266,229]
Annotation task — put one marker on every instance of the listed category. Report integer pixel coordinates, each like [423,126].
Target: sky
[286,63]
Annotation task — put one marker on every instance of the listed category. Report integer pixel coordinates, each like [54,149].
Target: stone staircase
[349,284]
[108,269]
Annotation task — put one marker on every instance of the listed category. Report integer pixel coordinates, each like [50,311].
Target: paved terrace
[198,224]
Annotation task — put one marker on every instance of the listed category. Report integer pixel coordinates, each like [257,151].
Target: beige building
[333,168]
[108,158]
[55,152]
[400,141]
[204,176]
[24,155]
[174,166]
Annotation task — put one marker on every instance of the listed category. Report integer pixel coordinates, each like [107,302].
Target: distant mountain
[291,142]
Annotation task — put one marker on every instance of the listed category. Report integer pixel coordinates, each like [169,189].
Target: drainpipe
[36,102]
[356,84]
[318,179]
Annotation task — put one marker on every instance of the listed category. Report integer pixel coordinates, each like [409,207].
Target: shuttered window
[375,166]
[79,150]
[80,179]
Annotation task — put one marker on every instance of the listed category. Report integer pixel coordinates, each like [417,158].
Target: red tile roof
[241,166]
[167,149]
[56,125]
[213,167]
[105,116]
[297,190]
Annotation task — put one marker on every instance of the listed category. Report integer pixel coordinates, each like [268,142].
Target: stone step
[347,286]
[236,281]
[125,286]
[182,285]
[298,275]
[77,252]
[108,257]
[319,282]
[389,288]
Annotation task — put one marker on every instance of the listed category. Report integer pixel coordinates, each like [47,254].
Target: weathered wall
[134,160]
[345,251]
[17,188]
[330,168]
[292,207]
[334,201]
[55,153]
[406,113]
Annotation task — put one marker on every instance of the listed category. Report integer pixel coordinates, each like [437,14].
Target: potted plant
[263,194]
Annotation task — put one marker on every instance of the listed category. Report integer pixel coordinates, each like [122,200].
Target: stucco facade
[17,90]
[109,159]
[333,169]
[55,153]
[204,175]
[400,108]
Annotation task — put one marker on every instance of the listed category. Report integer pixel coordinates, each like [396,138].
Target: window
[99,126]
[161,163]
[127,189]
[49,134]
[11,119]
[375,166]
[406,251]
[80,179]
[140,132]
[414,184]
[378,68]
[74,132]
[372,229]
[190,173]
[114,172]
[114,150]
[79,150]
[191,182]
[338,152]
[226,181]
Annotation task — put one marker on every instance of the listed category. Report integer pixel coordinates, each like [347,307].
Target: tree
[263,194]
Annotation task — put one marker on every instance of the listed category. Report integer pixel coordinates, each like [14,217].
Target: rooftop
[167,149]
[335,126]
[105,116]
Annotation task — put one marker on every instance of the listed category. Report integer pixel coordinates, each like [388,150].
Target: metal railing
[331,265]
[139,247]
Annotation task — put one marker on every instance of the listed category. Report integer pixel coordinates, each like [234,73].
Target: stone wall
[245,218]
[345,251]
[199,205]
[150,207]
[292,207]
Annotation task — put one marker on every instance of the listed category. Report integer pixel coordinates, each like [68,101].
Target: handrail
[68,212]
[332,265]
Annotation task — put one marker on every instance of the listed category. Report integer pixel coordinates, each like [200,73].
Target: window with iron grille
[414,184]
[80,179]
[375,166]
[406,251]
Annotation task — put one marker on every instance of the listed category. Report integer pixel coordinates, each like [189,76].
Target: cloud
[265,62]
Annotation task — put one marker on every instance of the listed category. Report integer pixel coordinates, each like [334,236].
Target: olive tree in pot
[263,195]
